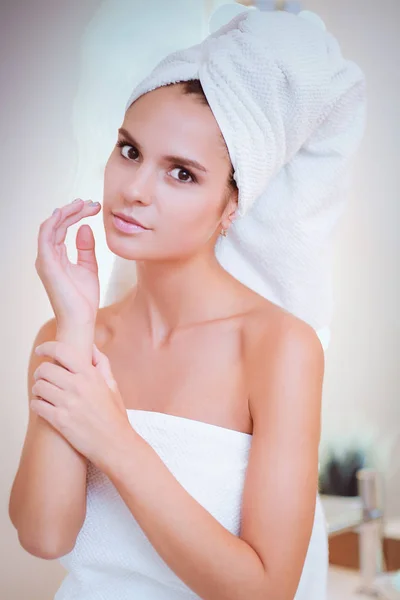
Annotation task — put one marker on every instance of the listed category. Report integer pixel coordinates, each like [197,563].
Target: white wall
[362,384]
[39,49]
[39,52]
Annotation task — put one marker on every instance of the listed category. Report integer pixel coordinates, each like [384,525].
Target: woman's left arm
[279,499]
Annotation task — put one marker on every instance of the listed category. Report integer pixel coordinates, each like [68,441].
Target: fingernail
[55,211]
[75,201]
[94,203]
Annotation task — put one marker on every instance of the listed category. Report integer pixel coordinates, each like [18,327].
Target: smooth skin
[51,471]
[221,353]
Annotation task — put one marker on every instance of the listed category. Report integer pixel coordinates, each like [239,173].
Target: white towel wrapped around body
[292,112]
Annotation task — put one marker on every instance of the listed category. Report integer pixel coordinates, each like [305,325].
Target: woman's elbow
[48,550]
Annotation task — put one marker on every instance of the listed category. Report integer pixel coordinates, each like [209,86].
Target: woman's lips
[127,227]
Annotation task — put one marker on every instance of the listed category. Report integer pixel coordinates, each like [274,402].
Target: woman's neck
[169,297]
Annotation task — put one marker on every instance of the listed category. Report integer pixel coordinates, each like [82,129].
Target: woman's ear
[233,213]
[230,212]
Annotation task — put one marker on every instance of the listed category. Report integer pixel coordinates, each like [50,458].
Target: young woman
[172,446]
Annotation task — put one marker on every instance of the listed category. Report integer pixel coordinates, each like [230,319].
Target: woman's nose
[139,186]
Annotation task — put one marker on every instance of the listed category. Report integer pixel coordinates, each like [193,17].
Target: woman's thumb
[85,245]
[102,364]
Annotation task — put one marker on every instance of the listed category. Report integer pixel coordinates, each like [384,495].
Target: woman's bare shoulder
[266,322]
[276,342]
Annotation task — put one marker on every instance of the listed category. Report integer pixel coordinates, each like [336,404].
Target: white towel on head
[292,112]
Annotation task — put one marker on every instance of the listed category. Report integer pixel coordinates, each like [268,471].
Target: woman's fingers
[46,232]
[71,214]
[64,354]
[73,208]
[45,390]
[53,230]
[96,355]
[54,374]
[85,245]
[102,364]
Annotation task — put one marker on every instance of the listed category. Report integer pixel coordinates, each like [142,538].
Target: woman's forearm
[48,498]
[214,563]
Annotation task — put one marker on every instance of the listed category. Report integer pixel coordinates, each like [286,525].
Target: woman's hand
[80,401]
[73,289]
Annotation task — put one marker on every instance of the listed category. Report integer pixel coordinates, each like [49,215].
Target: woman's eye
[128,153]
[186,174]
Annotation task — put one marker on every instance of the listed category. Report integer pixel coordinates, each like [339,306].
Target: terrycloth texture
[114,560]
[292,111]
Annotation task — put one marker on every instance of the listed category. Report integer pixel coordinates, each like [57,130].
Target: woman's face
[182,204]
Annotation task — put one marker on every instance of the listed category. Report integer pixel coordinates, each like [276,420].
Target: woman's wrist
[81,336]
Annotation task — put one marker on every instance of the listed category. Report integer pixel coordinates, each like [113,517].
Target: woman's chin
[127,247]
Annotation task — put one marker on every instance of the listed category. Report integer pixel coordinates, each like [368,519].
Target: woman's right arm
[47,503]
[48,498]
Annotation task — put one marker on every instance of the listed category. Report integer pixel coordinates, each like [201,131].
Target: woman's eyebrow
[172,158]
